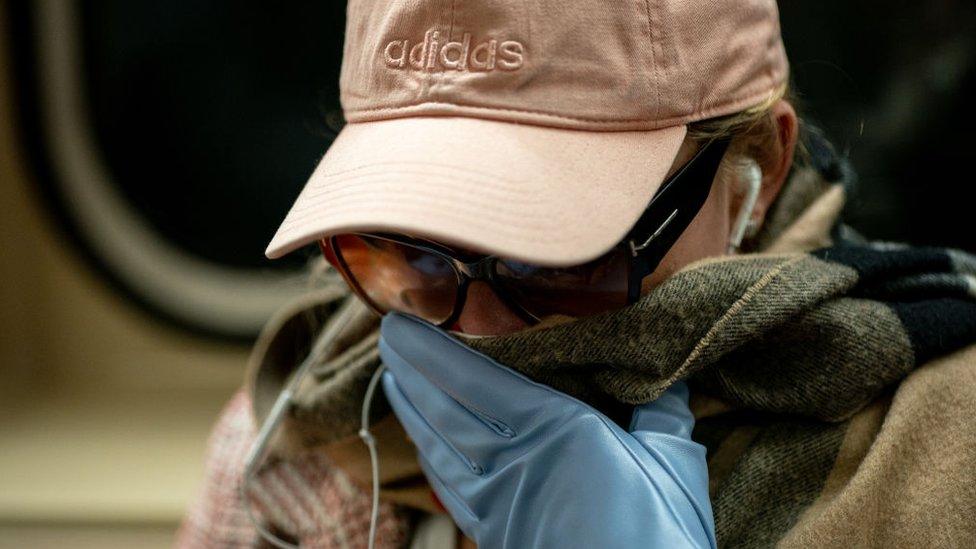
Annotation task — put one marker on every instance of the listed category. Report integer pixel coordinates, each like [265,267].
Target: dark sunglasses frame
[667,216]
[482,268]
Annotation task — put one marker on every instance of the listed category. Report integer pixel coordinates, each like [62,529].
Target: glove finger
[487,388]
[479,440]
[465,519]
[685,467]
[663,428]
[669,414]
[429,444]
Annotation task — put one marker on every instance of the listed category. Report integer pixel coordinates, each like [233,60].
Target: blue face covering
[518,464]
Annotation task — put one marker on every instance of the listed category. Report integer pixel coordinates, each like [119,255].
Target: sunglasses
[392,272]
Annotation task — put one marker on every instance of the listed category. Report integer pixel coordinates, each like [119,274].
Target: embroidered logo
[508,55]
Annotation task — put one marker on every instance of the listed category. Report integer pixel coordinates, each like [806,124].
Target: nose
[485,313]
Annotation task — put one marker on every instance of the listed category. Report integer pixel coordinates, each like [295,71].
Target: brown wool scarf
[834,390]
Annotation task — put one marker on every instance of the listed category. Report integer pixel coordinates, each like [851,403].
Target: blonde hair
[753,131]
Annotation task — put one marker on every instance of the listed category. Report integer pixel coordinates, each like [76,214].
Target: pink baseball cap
[534,130]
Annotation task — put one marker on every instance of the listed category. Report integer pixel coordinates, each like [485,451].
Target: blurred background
[148,151]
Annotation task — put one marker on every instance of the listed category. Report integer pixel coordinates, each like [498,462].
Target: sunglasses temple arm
[646,257]
[670,213]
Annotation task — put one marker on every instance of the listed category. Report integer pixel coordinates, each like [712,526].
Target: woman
[553,176]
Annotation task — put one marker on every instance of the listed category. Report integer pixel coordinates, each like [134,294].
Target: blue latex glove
[518,464]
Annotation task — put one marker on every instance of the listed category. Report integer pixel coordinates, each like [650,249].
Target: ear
[776,166]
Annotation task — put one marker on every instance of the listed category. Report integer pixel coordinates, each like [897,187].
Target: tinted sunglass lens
[578,291]
[395,276]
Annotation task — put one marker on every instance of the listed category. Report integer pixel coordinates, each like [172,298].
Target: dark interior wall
[892,84]
[213,106]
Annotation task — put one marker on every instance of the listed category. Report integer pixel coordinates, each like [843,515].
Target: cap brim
[548,196]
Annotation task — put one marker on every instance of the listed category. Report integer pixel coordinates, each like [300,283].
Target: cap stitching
[441,75]
[450,33]
[655,66]
[509,222]
[774,69]
[502,109]
[300,212]
[660,124]
[315,193]
[463,169]
[512,232]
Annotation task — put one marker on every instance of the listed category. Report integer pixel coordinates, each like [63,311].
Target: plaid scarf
[815,335]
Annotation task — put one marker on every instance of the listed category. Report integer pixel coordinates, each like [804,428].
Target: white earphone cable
[374,460]
[282,406]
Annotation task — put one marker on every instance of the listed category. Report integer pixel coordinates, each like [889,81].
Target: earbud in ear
[751,176]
